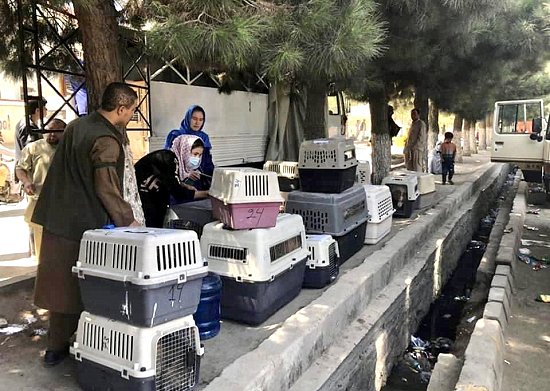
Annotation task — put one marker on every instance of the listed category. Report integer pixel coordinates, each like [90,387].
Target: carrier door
[519,136]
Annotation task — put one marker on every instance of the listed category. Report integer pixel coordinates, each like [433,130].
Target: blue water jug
[207,317]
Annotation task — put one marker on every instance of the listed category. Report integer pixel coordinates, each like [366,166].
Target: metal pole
[22,59]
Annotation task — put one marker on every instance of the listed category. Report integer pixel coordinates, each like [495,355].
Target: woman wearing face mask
[159,185]
[189,151]
[192,124]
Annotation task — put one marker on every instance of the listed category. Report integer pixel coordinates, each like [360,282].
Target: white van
[521,136]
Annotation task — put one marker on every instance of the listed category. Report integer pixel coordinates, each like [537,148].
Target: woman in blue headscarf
[192,124]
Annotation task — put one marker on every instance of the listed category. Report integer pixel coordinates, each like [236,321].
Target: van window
[518,118]
[333,108]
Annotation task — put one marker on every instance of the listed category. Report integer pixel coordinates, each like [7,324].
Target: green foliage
[287,40]
[50,26]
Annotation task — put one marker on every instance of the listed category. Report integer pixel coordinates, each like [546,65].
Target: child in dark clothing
[448,153]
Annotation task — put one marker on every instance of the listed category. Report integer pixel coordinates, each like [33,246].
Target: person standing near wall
[416,144]
[31,169]
[87,187]
[34,110]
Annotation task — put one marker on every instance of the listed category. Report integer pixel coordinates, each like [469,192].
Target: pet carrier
[190,215]
[113,355]
[327,165]
[404,192]
[287,174]
[363,173]
[261,269]
[333,214]
[380,207]
[142,276]
[426,188]
[352,241]
[244,198]
[322,265]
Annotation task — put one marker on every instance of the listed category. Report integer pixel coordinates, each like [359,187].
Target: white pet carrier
[363,173]
[261,269]
[327,153]
[327,165]
[287,173]
[426,181]
[410,181]
[380,207]
[257,254]
[244,198]
[143,276]
[426,188]
[404,190]
[115,355]
[322,266]
[283,169]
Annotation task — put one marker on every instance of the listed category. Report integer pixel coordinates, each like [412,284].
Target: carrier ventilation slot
[333,259]
[288,170]
[284,248]
[96,253]
[176,361]
[314,220]
[320,156]
[385,207]
[363,175]
[228,253]
[176,255]
[124,257]
[256,185]
[311,253]
[121,345]
[93,336]
[354,209]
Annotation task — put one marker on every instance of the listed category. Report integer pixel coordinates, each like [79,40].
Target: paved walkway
[527,349]
[21,367]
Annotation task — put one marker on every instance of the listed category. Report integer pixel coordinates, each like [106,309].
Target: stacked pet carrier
[380,208]
[426,188]
[287,175]
[404,192]
[328,200]
[259,253]
[139,287]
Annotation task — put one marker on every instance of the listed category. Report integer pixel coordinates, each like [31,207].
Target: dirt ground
[21,353]
[527,354]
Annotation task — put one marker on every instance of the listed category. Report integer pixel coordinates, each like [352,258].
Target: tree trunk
[316,111]
[473,144]
[489,133]
[433,119]
[421,102]
[483,134]
[381,141]
[466,136]
[457,134]
[99,31]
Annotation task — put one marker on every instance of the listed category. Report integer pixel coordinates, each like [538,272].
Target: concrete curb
[282,358]
[445,373]
[483,364]
[484,358]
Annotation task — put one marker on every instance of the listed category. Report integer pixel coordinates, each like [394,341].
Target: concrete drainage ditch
[445,331]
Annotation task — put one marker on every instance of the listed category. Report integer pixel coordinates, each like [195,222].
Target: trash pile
[421,356]
[536,263]
[486,225]
[28,323]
